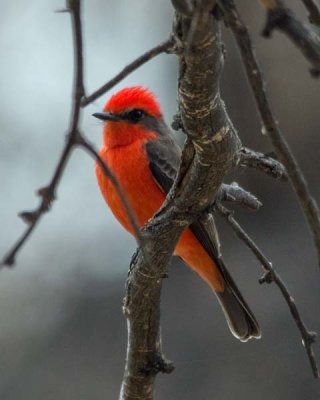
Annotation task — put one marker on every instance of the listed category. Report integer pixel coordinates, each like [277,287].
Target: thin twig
[270,276]
[74,138]
[82,142]
[235,194]
[47,193]
[280,17]
[262,162]
[167,46]
[282,149]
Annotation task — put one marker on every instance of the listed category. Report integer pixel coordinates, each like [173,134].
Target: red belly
[130,165]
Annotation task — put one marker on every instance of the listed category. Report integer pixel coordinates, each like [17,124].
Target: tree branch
[282,18]
[270,276]
[237,195]
[211,150]
[47,193]
[262,162]
[167,46]
[74,138]
[282,149]
[209,153]
[82,142]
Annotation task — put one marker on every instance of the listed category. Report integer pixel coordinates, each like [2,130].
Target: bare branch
[47,194]
[82,142]
[237,195]
[282,149]
[208,155]
[314,11]
[211,150]
[165,47]
[270,276]
[74,138]
[262,162]
[282,18]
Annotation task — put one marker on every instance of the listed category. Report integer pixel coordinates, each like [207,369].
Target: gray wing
[164,158]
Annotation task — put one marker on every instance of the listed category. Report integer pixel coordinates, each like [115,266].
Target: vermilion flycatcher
[140,150]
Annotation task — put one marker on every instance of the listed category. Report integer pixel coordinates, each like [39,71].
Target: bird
[141,151]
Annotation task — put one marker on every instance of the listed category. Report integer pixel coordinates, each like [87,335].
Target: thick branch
[208,155]
[167,46]
[308,338]
[282,18]
[282,149]
[262,162]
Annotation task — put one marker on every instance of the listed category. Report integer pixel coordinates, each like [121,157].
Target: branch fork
[212,149]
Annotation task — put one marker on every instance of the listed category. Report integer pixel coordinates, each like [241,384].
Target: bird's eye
[136,115]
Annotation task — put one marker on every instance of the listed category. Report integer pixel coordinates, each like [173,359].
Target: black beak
[106,116]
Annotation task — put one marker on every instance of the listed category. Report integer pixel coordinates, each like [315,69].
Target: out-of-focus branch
[47,193]
[74,138]
[208,155]
[262,162]
[165,47]
[314,11]
[270,276]
[282,18]
[184,7]
[270,125]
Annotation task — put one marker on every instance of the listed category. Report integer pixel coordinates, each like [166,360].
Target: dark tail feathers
[241,320]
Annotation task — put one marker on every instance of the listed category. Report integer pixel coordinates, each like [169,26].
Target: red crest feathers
[133,97]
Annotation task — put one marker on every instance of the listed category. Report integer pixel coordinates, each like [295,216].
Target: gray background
[62,333]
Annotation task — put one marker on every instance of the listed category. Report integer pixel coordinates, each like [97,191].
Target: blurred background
[62,332]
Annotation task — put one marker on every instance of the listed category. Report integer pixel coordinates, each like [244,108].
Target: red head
[130,114]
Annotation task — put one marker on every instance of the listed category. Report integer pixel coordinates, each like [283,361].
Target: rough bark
[210,152]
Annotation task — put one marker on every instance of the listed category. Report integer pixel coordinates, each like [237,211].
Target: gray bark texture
[211,150]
